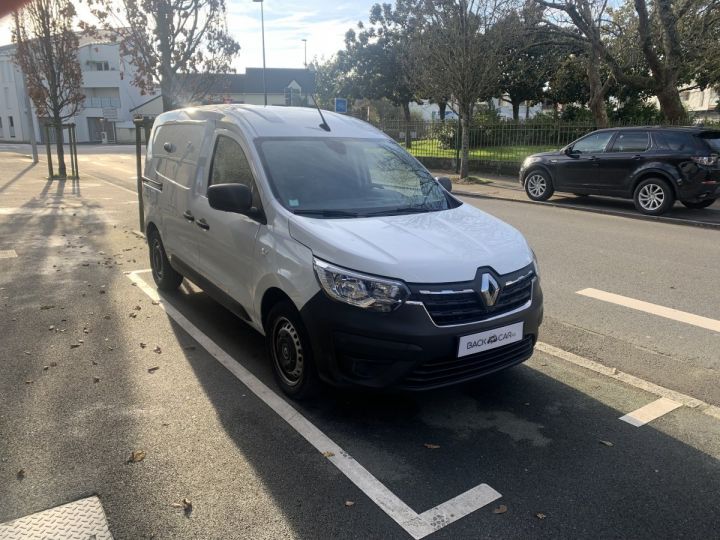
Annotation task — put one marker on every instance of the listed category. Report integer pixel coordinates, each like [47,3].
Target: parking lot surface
[144,400]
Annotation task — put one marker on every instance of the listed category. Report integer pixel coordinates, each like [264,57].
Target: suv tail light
[706,160]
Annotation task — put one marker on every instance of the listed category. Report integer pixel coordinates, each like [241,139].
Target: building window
[96,65]
[685,96]
[12,126]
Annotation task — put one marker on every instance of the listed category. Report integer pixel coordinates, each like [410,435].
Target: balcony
[101,102]
[101,79]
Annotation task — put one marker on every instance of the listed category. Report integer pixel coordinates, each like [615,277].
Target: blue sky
[287,22]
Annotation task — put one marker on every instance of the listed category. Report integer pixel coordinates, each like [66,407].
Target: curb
[641,217]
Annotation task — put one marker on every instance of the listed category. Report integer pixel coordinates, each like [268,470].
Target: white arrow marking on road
[650,412]
[416,525]
[654,309]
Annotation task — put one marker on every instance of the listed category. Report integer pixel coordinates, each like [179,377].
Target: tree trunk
[62,171]
[406,114]
[597,94]
[442,106]
[670,104]
[515,108]
[167,83]
[465,114]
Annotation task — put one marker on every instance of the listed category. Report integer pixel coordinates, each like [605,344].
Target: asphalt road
[545,436]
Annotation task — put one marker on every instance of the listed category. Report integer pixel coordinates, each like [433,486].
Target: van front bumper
[404,349]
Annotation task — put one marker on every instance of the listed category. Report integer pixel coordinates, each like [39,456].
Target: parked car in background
[654,166]
[356,264]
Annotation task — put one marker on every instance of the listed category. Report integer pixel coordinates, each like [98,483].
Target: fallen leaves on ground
[20,474]
[136,456]
[185,504]
[431,446]
[157,349]
[606,443]
[96,379]
[47,307]
[349,503]
[153,369]
[74,345]
[29,381]
[143,345]
[540,515]
[328,454]
[155,303]
[500,509]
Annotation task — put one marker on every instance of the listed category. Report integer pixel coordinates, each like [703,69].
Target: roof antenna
[324,124]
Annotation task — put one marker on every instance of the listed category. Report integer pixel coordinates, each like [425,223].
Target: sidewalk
[508,188]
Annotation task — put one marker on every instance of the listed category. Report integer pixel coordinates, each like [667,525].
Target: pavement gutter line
[641,217]
[416,525]
[614,373]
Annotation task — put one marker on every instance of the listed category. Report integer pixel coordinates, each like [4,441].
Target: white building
[702,103]
[110,98]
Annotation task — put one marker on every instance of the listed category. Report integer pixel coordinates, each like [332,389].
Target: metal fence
[498,144]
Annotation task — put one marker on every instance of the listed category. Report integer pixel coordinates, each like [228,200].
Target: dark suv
[654,166]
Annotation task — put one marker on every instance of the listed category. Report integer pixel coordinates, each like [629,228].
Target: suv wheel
[165,276]
[699,205]
[290,352]
[653,196]
[538,186]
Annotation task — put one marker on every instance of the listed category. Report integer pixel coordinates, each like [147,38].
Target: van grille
[463,304]
[440,373]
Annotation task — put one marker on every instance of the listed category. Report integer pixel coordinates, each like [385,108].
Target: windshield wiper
[325,213]
[402,210]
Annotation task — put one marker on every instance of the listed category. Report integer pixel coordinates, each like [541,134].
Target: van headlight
[367,292]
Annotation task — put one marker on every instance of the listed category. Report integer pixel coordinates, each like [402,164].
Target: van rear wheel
[165,276]
[290,352]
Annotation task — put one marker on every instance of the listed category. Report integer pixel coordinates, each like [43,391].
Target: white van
[328,238]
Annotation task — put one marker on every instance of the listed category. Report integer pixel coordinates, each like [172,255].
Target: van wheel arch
[272,297]
[541,168]
[151,228]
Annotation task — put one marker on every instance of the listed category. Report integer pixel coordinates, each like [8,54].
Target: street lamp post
[305,42]
[262,25]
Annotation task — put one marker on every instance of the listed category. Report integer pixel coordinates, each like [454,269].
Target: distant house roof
[250,82]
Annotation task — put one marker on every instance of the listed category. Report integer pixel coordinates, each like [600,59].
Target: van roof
[276,121]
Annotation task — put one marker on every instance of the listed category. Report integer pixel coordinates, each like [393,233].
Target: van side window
[632,141]
[677,141]
[230,166]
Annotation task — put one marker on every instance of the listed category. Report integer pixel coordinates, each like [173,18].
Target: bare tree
[47,54]
[658,29]
[455,50]
[165,39]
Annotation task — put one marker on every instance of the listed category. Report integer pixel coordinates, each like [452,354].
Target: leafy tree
[165,39]
[454,49]
[568,82]
[47,54]
[375,58]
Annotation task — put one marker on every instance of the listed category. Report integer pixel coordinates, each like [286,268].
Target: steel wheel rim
[536,185]
[157,260]
[287,351]
[651,196]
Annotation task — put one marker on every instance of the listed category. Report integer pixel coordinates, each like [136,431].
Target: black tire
[538,186]
[699,205]
[165,276]
[653,196]
[290,352]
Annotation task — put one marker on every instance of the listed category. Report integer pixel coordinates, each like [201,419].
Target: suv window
[677,141]
[230,166]
[632,141]
[593,143]
[712,138]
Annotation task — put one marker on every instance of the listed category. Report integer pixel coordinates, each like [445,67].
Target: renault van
[328,238]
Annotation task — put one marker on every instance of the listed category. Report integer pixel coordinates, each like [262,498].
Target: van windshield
[324,177]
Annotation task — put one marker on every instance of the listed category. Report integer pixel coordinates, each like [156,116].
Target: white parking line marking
[650,412]
[654,309]
[416,525]
[7,254]
[637,382]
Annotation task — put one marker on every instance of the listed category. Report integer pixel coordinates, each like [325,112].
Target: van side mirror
[445,182]
[235,198]
[570,152]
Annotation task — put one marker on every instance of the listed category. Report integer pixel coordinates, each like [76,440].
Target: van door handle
[202,224]
[188,215]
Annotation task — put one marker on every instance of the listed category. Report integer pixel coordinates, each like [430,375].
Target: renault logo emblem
[489,290]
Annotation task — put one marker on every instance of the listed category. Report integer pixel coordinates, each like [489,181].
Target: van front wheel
[290,352]
[165,276]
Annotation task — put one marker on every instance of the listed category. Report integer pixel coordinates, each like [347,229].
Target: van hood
[434,247]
